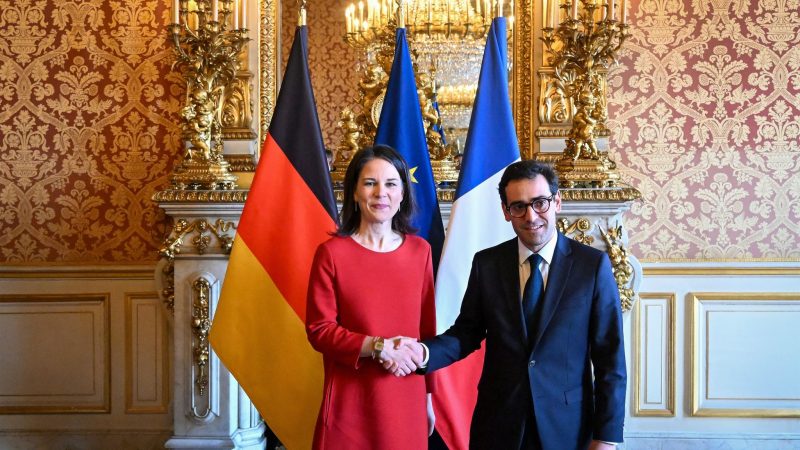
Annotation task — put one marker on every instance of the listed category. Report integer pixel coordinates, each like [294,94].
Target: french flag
[476,222]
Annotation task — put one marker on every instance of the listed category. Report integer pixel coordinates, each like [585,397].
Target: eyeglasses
[540,205]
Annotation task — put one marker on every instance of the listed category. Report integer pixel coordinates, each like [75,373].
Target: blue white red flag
[476,222]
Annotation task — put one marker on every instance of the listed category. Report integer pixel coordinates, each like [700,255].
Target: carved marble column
[210,409]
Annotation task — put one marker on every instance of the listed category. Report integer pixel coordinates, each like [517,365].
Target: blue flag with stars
[401,127]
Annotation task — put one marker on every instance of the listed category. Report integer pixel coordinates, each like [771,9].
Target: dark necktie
[532,295]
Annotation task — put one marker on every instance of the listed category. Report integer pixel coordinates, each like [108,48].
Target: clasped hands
[402,355]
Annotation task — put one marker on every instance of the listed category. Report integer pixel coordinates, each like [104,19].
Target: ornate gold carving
[555,106]
[220,228]
[268,68]
[176,195]
[201,325]
[623,271]
[241,163]
[359,122]
[587,47]
[201,241]
[207,53]
[523,83]
[168,282]
[237,109]
[596,171]
[616,194]
[578,228]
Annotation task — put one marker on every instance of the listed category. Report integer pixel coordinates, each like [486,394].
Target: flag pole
[401,15]
[301,21]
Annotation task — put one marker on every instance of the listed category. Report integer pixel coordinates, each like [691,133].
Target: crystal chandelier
[446,38]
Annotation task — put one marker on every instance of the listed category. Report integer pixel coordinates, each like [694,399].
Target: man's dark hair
[527,170]
[351,218]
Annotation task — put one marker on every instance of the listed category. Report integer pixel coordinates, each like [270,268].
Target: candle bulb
[243,8]
[546,13]
[235,15]
[555,11]
[624,12]
[215,11]
[499,8]
[176,9]
[574,9]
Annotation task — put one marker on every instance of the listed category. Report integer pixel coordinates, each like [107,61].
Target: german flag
[258,328]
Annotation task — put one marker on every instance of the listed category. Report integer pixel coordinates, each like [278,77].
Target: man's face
[534,228]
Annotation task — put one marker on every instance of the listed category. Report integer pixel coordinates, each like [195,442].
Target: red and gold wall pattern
[88,129]
[705,115]
[706,123]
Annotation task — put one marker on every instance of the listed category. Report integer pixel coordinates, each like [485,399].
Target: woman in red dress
[372,280]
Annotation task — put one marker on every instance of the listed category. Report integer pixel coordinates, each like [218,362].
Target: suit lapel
[556,282]
[509,274]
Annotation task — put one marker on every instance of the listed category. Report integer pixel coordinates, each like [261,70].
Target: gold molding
[144,272]
[242,163]
[105,300]
[522,81]
[669,359]
[201,348]
[200,196]
[268,44]
[576,230]
[165,356]
[694,299]
[735,271]
[608,194]
[204,229]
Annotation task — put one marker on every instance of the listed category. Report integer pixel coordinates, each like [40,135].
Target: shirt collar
[546,252]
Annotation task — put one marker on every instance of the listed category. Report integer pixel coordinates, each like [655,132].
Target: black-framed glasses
[540,205]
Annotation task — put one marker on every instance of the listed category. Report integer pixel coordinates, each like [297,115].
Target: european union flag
[400,127]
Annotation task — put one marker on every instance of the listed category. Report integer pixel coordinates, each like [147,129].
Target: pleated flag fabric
[400,126]
[258,329]
[476,222]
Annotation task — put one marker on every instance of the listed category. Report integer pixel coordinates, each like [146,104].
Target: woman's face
[379,191]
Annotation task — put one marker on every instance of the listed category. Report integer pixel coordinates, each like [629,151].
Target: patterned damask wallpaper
[332,63]
[705,113]
[88,129]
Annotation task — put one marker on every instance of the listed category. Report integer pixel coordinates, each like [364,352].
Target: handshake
[401,355]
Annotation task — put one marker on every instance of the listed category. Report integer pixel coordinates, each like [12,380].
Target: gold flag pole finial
[499,8]
[401,23]
[301,21]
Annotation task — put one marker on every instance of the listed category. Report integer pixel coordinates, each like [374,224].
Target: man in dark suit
[554,373]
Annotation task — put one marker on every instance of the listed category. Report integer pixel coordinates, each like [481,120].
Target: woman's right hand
[400,359]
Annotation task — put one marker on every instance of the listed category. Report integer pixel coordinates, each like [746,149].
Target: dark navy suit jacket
[580,329]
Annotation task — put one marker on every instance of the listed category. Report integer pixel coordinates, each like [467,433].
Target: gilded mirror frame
[522,76]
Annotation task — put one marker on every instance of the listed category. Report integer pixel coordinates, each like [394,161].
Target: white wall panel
[147,376]
[744,364]
[654,343]
[56,353]
[84,357]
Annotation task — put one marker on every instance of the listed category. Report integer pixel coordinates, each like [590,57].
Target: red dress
[355,292]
